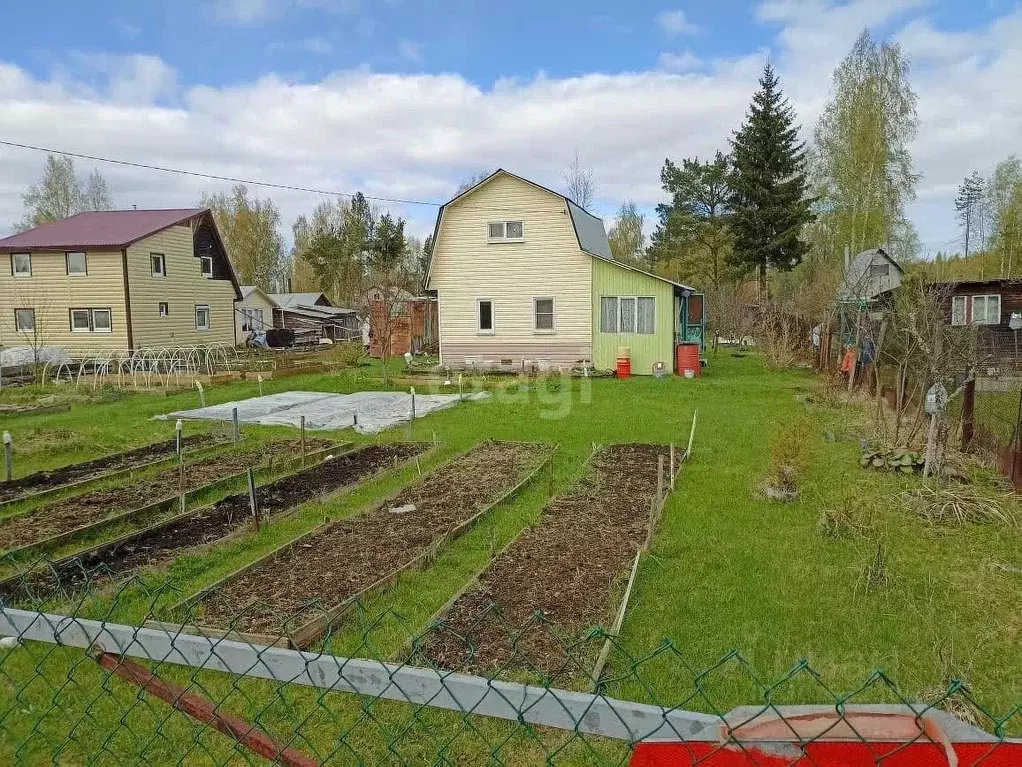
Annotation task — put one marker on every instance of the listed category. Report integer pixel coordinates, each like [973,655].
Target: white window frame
[986,309]
[209,317]
[17,322]
[621,315]
[109,320]
[493,317]
[88,320]
[503,231]
[161,259]
[553,315]
[14,268]
[163,307]
[85,263]
[959,311]
[203,260]
[651,332]
[619,329]
[616,315]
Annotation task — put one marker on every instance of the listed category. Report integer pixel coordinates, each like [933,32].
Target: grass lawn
[729,571]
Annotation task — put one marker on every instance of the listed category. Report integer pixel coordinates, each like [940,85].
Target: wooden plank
[305,635]
[188,602]
[202,710]
[99,549]
[81,484]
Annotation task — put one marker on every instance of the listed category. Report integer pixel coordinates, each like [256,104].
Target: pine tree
[770,201]
[967,203]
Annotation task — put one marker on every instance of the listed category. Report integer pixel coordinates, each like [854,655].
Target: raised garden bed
[46,527]
[528,609]
[43,482]
[163,542]
[302,588]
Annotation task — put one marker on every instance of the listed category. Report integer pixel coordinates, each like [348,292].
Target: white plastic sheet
[375,410]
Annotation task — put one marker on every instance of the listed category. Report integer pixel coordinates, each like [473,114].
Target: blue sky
[406,98]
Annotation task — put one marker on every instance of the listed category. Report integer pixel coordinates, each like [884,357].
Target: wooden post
[302,427]
[672,466]
[260,386]
[691,434]
[411,423]
[8,456]
[461,394]
[201,710]
[659,478]
[253,503]
[968,413]
[202,394]
[180,464]
[234,420]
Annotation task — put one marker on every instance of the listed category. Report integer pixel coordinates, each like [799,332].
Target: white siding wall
[549,263]
[182,289]
[254,300]
[52,293]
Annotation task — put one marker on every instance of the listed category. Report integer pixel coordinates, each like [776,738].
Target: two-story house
[522,273]
[118,280]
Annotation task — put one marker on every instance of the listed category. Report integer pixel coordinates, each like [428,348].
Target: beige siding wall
[52,293]
[255,300]
[182,289]
[548,264]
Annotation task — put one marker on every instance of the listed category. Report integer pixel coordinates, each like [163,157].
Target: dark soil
[163,543]
[72,513]
[79,472]
[347,557]
[561,577]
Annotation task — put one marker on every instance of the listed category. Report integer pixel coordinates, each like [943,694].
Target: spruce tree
[770,201]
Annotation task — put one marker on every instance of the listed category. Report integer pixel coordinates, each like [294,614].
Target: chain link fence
[135,678]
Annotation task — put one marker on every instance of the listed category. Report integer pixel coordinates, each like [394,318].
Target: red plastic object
[624,368]
[827,754]
[688,359]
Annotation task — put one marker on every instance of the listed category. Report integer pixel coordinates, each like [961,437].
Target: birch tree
[862,163]
[251,231]
[61,193]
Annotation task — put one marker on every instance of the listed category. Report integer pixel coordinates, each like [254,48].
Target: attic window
[506,231]
[880,270]
[206,266]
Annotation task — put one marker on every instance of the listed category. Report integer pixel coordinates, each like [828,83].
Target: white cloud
[417,135]
[411,51]
[318,46]
[675,23]
[679,62]
[254,12]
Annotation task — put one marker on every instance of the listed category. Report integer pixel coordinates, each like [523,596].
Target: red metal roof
[98,229]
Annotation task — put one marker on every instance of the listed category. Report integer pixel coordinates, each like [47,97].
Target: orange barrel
[688,359]
[624,361]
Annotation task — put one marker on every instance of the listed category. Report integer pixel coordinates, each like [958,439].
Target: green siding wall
[612,280]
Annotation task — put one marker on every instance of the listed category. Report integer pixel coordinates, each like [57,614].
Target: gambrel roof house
[118,279]
[523,274]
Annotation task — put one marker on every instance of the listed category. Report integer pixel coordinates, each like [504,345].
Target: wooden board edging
[314,629]
[261,471]
[81,484]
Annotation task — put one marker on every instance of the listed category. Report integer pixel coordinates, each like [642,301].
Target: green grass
[729,571]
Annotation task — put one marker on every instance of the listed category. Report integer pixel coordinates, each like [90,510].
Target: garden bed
[63,519]
[56,479]
[165,541]
[302,588]
[568,568]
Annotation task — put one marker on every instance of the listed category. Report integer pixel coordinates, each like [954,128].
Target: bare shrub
[788,460]
[848,518]
[957,505]
[953,695]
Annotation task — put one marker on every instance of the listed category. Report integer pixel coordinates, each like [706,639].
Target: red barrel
[624,368]
[688,359]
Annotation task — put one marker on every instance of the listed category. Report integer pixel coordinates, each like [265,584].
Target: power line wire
[213,176]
